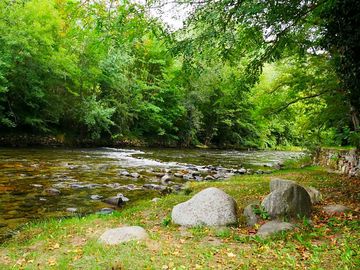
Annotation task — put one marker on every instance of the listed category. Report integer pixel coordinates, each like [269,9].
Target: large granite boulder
[277,183]
[123,234]
[272,227]
[314,194]
[290,200]
[211,207]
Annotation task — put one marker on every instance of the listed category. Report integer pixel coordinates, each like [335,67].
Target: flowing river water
[37,183]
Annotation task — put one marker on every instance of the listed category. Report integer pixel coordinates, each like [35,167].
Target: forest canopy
[248,74]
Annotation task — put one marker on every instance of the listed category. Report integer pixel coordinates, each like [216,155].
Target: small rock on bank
[272,227]
[251,217]
[123,234]
[211,207]
[336,209]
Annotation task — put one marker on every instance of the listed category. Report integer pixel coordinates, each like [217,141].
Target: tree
[265,31]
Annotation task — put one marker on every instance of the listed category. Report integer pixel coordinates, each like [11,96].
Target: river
[37,183]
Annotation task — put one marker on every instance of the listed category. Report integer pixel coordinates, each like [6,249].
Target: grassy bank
[329,243]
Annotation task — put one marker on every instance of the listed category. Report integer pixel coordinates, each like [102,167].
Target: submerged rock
[274,226]
[240,171]
[211,207]
[76,186]
[105,211]
[52,191]
[155,187]
[96,197]
[125,173]
[165,179]
[71,209]
[135,175]
[123,234]
[188,177]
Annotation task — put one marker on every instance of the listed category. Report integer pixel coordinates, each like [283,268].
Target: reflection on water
[43,182]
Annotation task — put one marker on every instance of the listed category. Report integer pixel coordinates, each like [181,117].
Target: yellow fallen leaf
[231,255]
[52,262]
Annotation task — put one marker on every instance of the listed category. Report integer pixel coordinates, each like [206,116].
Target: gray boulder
[272,227]
[292,201]
[117,200]
[123,234]
[251,217]
[277,183]
[314,194]
[211,207]
[336,209]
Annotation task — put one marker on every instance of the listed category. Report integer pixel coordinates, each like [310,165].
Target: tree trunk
[355,118]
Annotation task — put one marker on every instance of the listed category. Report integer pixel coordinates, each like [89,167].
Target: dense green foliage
[106,69]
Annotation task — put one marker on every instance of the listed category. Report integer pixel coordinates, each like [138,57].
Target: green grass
[329,243]
[344,148]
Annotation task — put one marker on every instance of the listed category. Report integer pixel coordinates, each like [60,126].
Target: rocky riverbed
[40,183]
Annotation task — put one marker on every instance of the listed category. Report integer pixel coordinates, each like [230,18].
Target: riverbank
[329,243]
[62,140]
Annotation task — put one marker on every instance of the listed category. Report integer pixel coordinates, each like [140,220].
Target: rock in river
[165,179]
[105,211]
[135,175]
[52,191]
[211,207]
[71,209]
[117,200]
[96,197]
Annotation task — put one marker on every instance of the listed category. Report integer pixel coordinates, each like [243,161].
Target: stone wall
[343,161]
